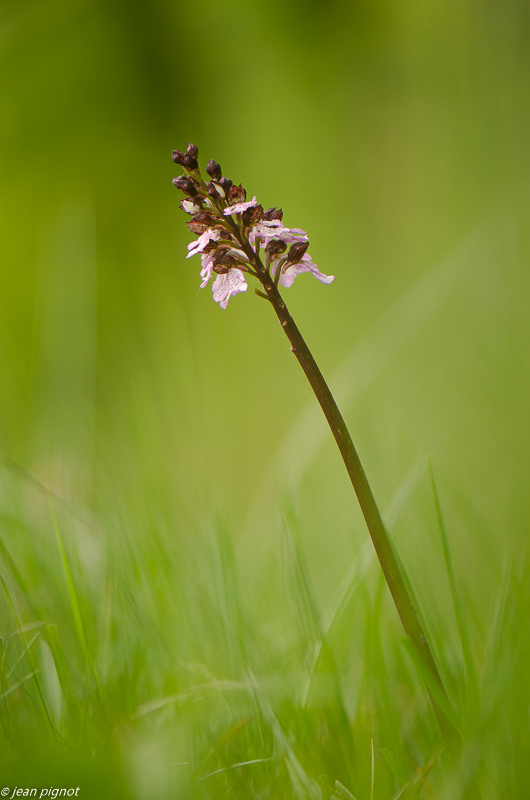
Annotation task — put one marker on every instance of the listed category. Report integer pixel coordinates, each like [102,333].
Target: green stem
[376,527]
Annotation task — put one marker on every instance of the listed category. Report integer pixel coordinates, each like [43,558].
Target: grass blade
[72,591]
[432,685]
[457,601]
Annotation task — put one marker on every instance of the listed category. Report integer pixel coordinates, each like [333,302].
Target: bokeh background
[177,438]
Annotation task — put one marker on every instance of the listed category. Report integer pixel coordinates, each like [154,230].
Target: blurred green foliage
[206,517]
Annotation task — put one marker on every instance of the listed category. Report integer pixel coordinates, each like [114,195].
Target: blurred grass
[236,626]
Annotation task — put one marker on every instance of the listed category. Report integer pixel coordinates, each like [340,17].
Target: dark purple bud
[192,150]
[189,161]
[226,183]
[273,213]
[212,245]
[197,227]
[223,260]
[204,218]
[178,157]
[297,251]
[256,214]
[223,250]
[214,170]
[252,215]
[237,195]
[185,185]
[275,247]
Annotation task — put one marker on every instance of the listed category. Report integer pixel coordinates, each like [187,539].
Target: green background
[206,518]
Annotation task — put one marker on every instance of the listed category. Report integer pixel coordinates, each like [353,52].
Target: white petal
[227,285]
[199,245]
[207,268]
[304,265]
[238,208]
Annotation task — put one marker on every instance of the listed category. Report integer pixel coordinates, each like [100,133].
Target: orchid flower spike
[232,230]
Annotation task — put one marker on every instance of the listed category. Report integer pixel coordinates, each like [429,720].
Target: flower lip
[206,268]
[238,208]
[290,271]
[227,285]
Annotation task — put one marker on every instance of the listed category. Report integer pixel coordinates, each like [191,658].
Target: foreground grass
[136,666]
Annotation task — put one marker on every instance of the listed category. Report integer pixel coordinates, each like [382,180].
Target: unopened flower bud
[214,170]
[223,250]
[275,247]
[197,227]
[256,214]
[178,157]
[189,161]
[252,215]
[223,260]
[273,213]
[237,195]
[297,251]
[226,183]
[204,218]
[192,150]
[185,185]
[212,245]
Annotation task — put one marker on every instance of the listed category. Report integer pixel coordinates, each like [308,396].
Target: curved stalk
[376,527]
[374,521]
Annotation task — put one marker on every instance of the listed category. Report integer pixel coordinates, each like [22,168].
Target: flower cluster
[236,236]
